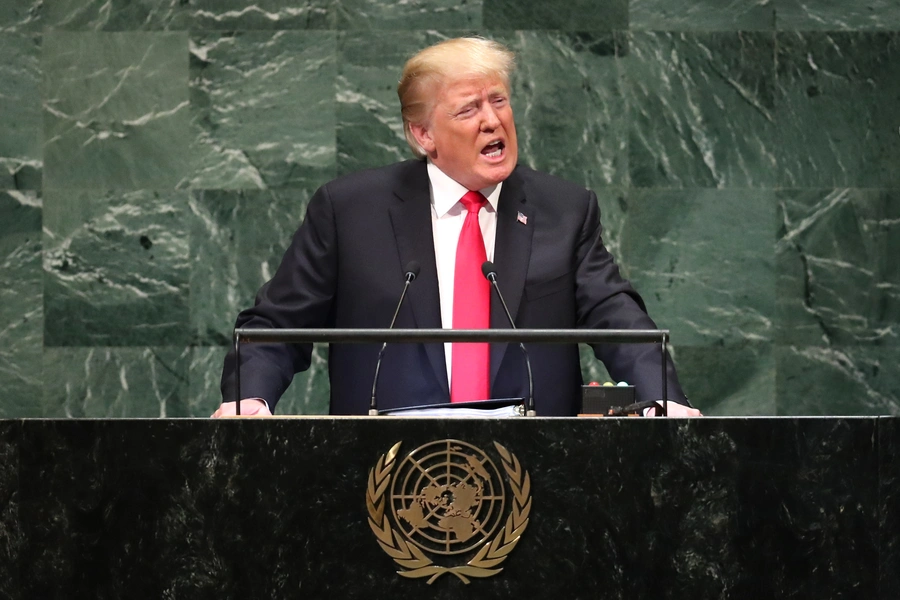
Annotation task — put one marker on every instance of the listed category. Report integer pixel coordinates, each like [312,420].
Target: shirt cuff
[259,400]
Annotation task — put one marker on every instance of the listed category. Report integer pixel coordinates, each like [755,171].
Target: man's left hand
[675,410]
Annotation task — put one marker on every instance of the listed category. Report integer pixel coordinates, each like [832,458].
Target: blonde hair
[428,70]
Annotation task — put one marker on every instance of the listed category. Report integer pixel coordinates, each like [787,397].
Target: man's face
[471,135]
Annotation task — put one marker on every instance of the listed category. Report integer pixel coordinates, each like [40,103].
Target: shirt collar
[445,192]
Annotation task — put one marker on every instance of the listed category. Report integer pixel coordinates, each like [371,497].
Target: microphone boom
[487,269]
[412,271]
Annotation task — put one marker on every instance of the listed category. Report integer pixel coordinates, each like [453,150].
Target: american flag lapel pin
[522,219]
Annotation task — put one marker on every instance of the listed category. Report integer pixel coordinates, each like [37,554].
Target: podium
[619,508]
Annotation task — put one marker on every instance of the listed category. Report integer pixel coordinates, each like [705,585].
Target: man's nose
[489,119]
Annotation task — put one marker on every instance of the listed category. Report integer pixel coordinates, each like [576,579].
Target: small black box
[598,399]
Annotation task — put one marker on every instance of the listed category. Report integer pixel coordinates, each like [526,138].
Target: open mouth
[494,149]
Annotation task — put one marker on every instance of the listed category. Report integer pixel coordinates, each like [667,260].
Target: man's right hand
[249,408]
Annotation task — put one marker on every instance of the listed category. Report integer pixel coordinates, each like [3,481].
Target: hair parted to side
[428,70]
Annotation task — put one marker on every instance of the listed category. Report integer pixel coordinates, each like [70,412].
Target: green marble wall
[155,156]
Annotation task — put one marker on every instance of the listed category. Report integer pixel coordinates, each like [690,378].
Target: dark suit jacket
[345,267]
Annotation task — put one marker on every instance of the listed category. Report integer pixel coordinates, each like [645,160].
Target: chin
[500,173]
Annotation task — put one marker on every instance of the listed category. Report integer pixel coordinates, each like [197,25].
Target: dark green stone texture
[156,156]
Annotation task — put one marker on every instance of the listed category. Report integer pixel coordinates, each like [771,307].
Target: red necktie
[470,378]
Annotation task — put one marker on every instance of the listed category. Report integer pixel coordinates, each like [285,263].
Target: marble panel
[21,304]
[10,527]
[838,276]
[308,394]
[811,521]
[404,16]
[570,106]
[104,382]
[204,376]
[116,15]
[837,101]
[241,15]
[21,15]
[115,110]
[832,15]
[86,483]
[21,158]
[703,260]
[583,140]
[591,368]
[369,126]
[573,15]
[237,241]
[116,268]
[118,517]
[720,508]
[613,203]
[702,109]
[889,507]
[734,380]
[837,380]
[262,109]
[702,15]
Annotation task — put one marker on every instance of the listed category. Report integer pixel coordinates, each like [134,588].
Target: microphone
[412,271]
[487,269]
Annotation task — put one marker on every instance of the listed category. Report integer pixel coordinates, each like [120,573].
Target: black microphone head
[487,269]
[412,270]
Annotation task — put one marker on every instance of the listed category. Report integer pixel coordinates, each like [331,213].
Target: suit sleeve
[605,300]
[300,295]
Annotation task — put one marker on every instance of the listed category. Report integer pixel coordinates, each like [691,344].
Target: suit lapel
[512,252]
[411,220]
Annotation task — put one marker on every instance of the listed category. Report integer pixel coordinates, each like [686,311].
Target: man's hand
[675,410]
[249,408]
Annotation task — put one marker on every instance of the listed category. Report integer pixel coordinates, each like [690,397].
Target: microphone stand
[487,269]
[412,271]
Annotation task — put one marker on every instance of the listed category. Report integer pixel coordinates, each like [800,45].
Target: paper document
[443,412]
[500,407]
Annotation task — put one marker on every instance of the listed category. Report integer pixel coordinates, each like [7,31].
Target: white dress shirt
[447,217]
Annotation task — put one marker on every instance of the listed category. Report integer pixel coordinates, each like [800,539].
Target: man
[463,201]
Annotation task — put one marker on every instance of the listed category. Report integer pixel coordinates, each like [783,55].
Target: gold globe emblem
[444,499]
[447,497]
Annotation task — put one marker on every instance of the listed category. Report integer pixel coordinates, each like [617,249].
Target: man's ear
[423,135]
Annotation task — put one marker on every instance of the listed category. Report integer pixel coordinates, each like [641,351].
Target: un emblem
[446,501]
